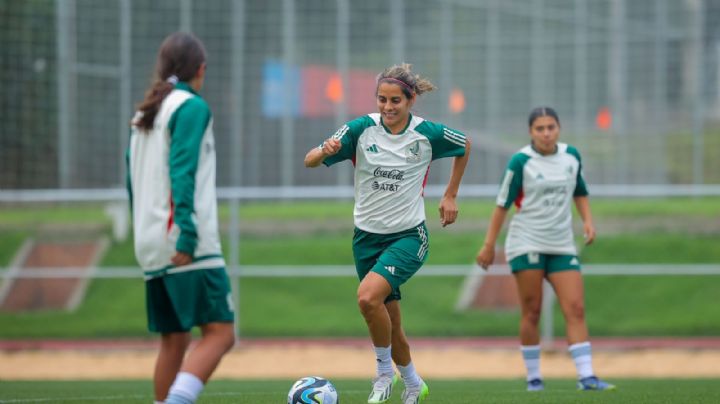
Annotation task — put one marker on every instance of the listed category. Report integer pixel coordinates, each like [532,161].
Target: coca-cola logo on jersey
[390,174]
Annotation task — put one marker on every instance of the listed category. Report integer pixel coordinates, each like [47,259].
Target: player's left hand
[485,256]
[448,211]
[180,258]
[589,233]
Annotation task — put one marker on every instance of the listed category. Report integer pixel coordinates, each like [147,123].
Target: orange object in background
[456,101]
[603,120]
[321,88]
[334,89]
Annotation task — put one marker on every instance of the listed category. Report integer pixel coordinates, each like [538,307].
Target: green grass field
[655,391]
[629,233]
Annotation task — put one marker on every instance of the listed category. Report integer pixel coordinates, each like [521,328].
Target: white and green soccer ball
[313,390]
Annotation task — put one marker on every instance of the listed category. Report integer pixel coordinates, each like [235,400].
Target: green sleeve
[445,142]
[349,135]
[511,186]
[580,186]
[187,128]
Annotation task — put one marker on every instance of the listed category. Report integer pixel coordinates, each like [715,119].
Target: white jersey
[542,187]
[171,181]
[391,169]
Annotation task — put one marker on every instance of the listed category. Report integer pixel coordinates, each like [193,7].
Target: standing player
[171,180]
[392,151]
[542,180]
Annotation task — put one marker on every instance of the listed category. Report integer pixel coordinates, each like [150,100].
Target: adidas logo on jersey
[390,268]
[372,149]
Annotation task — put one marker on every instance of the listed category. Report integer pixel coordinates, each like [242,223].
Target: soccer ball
[313,390]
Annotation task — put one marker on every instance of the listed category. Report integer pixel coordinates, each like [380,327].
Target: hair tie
[172,79]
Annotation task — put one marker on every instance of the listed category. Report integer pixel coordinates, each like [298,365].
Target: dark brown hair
[181,55]
[542,111]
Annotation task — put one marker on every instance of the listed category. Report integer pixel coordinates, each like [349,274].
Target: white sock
[187,386]
[531,357]
[158,402]
[582,355]
[384,360]
[410,376]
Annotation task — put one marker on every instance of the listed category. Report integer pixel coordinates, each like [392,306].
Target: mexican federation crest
[412,152]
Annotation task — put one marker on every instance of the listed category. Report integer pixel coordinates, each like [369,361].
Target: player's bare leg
[169,360]
[217,339]
[371,296]
[529,284]
[414,385]
[400,345]
[568,286]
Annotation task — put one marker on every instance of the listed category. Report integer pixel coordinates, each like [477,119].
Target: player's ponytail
[409,82]
[179,59]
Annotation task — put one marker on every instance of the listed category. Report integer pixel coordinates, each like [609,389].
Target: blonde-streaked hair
[409,82]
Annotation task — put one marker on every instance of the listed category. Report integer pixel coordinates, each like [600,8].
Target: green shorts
[396,257]
[178,302]
[547,262]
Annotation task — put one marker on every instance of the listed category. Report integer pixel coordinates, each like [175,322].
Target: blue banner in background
[277,90]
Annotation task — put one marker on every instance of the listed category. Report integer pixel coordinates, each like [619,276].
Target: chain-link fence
[635,82]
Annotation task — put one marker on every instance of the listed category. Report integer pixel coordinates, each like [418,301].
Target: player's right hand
[331,146]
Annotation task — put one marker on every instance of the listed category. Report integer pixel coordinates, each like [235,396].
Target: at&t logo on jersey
[392,187]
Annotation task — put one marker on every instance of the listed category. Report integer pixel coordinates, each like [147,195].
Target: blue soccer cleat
[593,383]
[535,385]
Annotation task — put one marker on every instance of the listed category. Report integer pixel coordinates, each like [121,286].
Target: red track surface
[417,343]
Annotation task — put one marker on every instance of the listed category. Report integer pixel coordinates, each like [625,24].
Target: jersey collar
[410,117]
[181,85]
[557,149]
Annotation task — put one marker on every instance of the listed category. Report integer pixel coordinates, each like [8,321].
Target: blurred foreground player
[171,181]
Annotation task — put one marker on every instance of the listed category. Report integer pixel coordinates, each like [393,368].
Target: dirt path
[289,359]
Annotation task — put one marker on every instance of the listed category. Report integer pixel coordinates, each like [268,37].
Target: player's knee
[532,314]
[222,335]
[228,339]
[576,311]
[532,318]
[368,303]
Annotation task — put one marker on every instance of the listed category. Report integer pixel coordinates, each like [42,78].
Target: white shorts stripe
[424,238]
